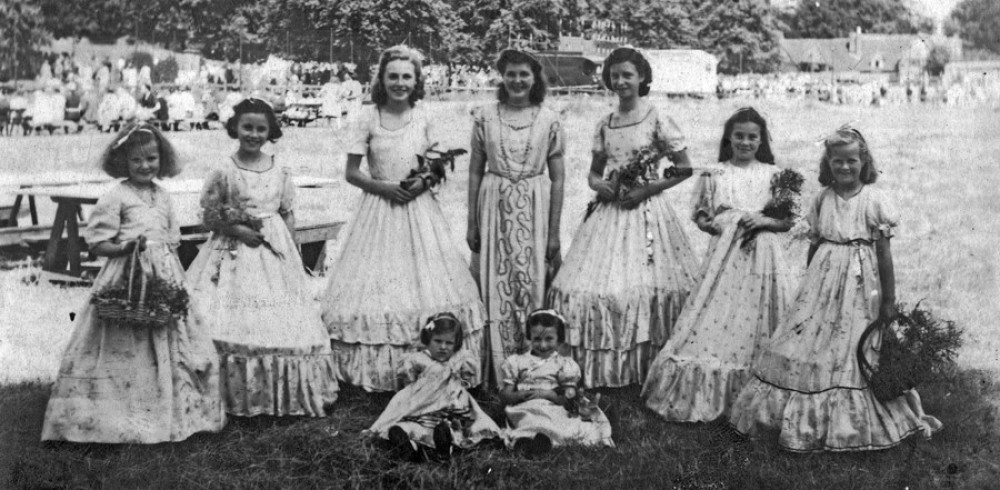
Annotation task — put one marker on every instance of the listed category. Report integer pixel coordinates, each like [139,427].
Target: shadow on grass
[268,452]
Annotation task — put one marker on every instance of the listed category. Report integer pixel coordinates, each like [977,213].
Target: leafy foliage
[829,19]
[22,33]
[978,23]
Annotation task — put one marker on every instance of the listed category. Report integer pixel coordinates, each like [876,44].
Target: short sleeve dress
[121,385]
[399,265]
[629,271]
[807,385]
[741,298]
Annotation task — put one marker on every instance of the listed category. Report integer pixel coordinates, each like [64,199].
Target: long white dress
[740,299]
[807,385]
[526,419]
[276,358]
[435,392]
[128,385]
[628,272]
[399,265]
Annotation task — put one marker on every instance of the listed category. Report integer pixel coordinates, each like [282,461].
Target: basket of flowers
[141,299]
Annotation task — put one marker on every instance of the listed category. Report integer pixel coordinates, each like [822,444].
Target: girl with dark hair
[514,208]
[251,284]
[807,386]
[435,411]
[120,383]
[398,263]
[631,266]
[744,290]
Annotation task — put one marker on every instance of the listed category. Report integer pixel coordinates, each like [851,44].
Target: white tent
[682,71]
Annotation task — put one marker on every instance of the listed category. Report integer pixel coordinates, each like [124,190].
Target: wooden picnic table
[14,184]
[71,198]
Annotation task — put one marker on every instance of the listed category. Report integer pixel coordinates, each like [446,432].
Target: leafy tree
[22,34]
[654,24]
[745,35]
[836,18]
[937,59]
[978,23]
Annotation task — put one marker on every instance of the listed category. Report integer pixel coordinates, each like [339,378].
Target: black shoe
[536,446]
[443,440]
[402,448]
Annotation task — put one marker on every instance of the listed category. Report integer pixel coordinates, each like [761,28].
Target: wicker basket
[134,312]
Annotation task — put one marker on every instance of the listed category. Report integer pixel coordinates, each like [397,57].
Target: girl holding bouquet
[399,264]
[250,281]
[745,286]
[128,383]
[630,268]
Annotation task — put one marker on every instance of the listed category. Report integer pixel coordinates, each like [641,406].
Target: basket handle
[866,367]
[134,259]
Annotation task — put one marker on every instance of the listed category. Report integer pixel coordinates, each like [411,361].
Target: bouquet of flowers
[786,186]
[235,215]
[431,167]
[640,170]
[154,304]
[910,354]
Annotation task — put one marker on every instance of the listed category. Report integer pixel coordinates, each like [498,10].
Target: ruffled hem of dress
[399,328]
[279,384]
[650,313]
[682,390]
[373,367]
[615,368]
[837,419]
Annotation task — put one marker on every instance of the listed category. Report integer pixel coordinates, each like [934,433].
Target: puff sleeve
[812,217]
[214,197]
[105,219]
[360,132]
[409,370]
[670,135]
[599,145]
[466,368]
[477,147]
[287,204]
[508,371]
[881,217]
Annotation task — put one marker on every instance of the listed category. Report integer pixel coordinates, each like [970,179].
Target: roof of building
[860,52]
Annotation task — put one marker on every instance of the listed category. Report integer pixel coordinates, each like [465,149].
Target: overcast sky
[936,8]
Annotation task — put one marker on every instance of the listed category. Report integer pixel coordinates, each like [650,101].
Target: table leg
[14,210]
[73,240]
[52,259]
[33,209]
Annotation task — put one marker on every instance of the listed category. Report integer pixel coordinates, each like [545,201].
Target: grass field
[939,164]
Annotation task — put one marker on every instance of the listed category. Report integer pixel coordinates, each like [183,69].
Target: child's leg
[929,424]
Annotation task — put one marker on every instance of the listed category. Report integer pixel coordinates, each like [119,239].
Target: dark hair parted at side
[843,137]
[546,318]
[514,57]
[254,105]
[442,323]
[621,55]
[114,160]
[379,94]
[744,115]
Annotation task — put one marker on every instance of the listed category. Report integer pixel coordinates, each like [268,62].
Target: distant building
[889,57]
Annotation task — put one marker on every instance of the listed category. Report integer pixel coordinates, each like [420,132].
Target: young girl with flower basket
[808,385]
[399,263]
[140,367]
[631,267]
[745,285]
[249,280]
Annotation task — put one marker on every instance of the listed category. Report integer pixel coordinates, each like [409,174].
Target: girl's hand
[635,197]
[753,221]
[472,238]
[247,235]
[707,225]
[552,247]
[395,193]
[130,245]
[887,311]
[415,185]
[605,191]
[549,395]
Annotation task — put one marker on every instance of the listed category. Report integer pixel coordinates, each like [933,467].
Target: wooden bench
[311,237]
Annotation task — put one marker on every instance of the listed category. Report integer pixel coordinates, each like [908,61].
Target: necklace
[506,150]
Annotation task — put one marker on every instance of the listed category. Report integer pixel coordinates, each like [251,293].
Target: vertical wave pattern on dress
[398,266]
[739,300]
[275,354]
[807,385]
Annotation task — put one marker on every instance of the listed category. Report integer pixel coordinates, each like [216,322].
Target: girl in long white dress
[399,264]
[121,383]
[630,268]
[250,282]
[744,289]
[514,207]
[807,385]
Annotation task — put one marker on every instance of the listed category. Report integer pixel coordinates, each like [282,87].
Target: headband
[845,128]
[138,128]
[547,311]
[436,317]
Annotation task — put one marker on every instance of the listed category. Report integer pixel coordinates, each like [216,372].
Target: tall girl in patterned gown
[250,281]
[743,292]
[630,267]
[807,386]
[124,384]
[398,265]
[514,208]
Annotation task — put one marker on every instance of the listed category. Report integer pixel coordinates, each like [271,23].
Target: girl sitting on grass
[536,388]
[123,383]
[435,411]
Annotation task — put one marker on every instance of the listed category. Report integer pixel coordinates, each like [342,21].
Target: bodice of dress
[462,366]
[865,216]
[529,372]
[391,154]
[123,214]
[261,194]
[517,152]
[618,143]
[743,189]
